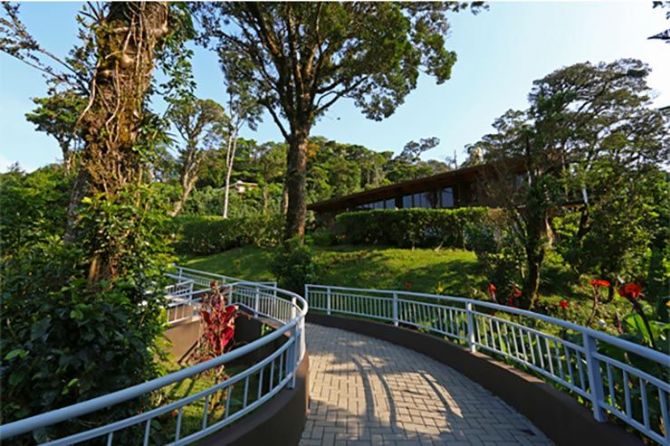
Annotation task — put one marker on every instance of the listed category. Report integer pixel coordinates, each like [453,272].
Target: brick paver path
[366,392]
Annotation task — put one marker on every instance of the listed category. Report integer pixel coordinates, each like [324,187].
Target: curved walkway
[366,391]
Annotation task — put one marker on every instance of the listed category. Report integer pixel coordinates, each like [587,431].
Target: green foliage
[591,131]
[408,227]
[212,234]
[59,334]
[33,207]
[499,253]
[59,329]
[293,266]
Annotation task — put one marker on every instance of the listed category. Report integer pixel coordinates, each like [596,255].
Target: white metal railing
[203,278]
[619,377]
[193,416]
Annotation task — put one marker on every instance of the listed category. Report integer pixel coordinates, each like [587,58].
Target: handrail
[580,364]
[641,350]
[285,307]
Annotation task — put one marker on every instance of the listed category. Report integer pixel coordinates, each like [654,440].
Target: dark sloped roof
[450,178]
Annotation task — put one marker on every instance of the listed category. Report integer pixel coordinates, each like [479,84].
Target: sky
[500,52]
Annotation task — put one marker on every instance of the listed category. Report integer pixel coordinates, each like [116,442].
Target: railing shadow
[364,389]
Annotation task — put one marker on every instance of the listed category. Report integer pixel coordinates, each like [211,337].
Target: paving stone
[369,392]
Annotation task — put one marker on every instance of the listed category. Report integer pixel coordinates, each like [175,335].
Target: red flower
[516,293]
[510,302]
[408,285]
[630,291]
[564,304]
[600,282]
[492,289]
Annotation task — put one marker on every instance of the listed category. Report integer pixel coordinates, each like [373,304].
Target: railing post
[328,301]
[257,301]
[595,379]
[471,327]
[294,305]
[295,354]
[395,309]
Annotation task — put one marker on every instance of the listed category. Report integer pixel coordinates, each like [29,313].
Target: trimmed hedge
[407,228]
[212,234]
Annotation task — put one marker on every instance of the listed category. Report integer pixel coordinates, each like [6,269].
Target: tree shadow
[369,391]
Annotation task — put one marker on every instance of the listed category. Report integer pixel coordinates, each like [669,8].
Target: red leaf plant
[633,292]
[514,295]
[596,285]
[218,323]
[564,304]
[491,289]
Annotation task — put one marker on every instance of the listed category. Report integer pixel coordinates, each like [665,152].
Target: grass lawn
[446,271]
[450,271]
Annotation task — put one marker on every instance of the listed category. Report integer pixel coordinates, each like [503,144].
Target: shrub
[323,237]
[212,234]
[293,265]
[408,227]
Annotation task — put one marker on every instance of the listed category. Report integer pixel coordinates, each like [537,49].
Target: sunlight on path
[367,392]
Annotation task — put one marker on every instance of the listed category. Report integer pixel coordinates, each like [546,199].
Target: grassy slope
[361,266]
[447,271]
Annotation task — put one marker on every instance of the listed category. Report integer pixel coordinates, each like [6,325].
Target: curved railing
[213,400]
[624,379]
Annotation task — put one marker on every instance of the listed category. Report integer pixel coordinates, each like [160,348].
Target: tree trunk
[187,184]
[295,184]
[111,121]
[188,176]
[230,160]
[284,199]
[78,192]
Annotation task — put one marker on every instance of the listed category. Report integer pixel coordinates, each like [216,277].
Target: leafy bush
[408,227]
[60,330]
[294,266]
[212,234]
[323,237]
[32,206]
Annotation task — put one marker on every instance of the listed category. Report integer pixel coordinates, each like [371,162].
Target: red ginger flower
[516,293]
[564,304]
[630,291]
[600,282]
[492,289]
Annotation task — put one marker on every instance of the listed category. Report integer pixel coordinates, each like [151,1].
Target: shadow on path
[366,391]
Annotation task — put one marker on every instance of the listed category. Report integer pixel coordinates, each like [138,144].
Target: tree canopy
[300,58]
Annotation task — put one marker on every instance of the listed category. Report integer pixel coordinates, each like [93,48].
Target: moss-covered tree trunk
[126,41]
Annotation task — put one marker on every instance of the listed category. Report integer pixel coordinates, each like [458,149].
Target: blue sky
[500,52]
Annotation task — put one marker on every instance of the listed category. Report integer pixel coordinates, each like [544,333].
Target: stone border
[555,413]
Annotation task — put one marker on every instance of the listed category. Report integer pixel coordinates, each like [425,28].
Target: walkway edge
[280,421]
[558,415]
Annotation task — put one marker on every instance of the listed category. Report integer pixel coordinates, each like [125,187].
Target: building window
[407,201]
[390,203]
[447,197]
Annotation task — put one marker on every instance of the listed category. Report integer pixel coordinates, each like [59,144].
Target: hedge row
[212,234]
[406,228]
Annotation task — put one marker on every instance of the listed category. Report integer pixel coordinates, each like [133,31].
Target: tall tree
[126,40]
[663,35]
[243,108]
[57,115]
[582,119]
[68,78]
[200,124]
[300,58]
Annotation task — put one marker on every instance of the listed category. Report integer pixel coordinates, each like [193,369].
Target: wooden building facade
[453,189]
